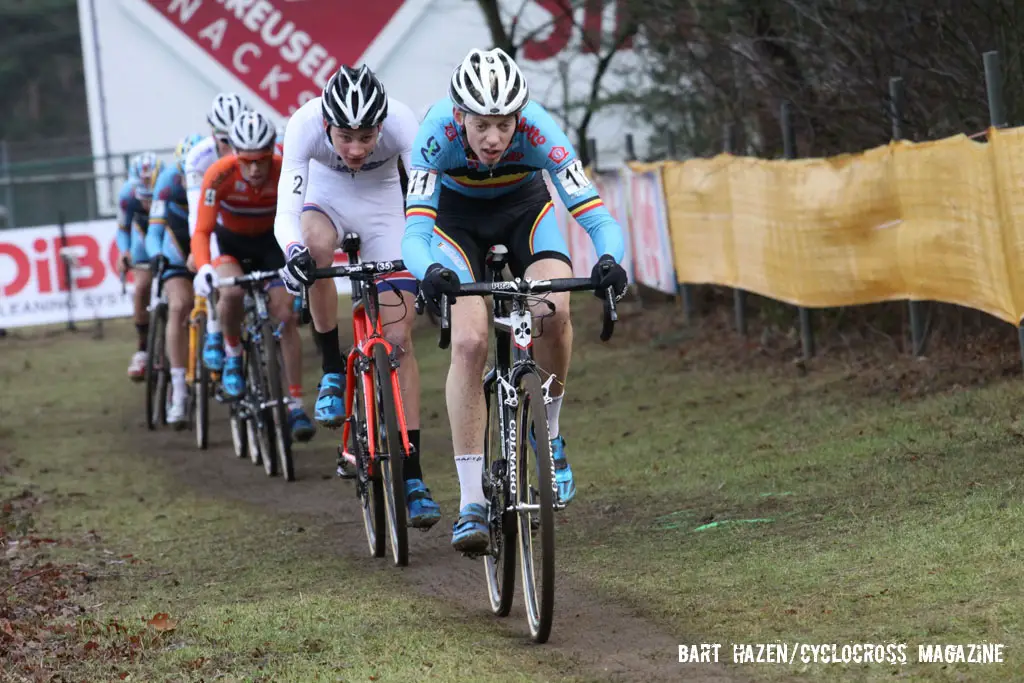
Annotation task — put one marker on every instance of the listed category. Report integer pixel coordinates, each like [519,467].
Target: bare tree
[507,32]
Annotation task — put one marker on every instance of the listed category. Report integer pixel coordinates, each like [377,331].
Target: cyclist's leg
[382,241]
[213,347]
[542,253]
[467,412]
[229,313]
[140,301]
[178,286]
[282,309]
[321,227]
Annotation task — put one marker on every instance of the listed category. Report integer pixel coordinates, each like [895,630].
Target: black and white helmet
[489,83]
[354,98]
[252,132]
[226,108]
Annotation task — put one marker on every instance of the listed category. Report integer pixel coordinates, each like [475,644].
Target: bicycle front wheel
[369,488]
[500,562]
[156,369]
[276,398]
[535,498]
[391,457]
[200,384]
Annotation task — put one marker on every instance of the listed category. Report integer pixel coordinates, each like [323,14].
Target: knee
[284,312]
[230,296]
[399,335]
[558,324]
[321,246]
[469,346]
[178,308]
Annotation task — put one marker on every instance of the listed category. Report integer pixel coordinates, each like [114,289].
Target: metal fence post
[897,101]
[5,172]
[739,296]
[997,119]
[789,150]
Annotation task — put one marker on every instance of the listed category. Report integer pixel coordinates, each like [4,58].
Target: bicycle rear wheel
[276,398]
[156,369]
[201,385]
[535,499]
[369,489]
[500,563]
[391,457]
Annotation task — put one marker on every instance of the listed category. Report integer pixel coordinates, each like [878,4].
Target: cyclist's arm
[421,201]
[124,218]
[158,214]
[206,217]
[291,188]
[193,185]
[578,193]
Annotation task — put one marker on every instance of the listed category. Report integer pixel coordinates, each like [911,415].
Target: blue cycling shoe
[301,426]
[563,473]
[470,534]
[213,352]
[232,381]
[423,511]
[329,410]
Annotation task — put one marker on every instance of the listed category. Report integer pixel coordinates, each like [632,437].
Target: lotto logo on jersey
[557,154]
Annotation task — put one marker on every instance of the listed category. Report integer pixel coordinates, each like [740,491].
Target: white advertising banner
[33,283]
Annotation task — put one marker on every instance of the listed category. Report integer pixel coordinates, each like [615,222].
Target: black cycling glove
[439,280]
[607,273]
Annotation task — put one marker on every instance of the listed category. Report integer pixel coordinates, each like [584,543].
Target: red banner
[283,50]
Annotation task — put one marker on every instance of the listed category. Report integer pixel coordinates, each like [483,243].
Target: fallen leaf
[161,622]
[91,645]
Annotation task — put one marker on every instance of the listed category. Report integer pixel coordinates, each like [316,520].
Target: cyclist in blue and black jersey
[168,237]
[476,181]
[133,205]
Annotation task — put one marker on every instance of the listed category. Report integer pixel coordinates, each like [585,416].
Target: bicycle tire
[260,422]
[155,347]
[500,564]
[278,410]
[201,385]
[540,605]
[239,433]
[391,467]
[369,487]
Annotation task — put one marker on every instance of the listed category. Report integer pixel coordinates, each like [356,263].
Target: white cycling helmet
[354,98]
[489,83]
[226,108]
[252,132]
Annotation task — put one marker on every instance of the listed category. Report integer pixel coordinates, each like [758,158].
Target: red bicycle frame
[365,338]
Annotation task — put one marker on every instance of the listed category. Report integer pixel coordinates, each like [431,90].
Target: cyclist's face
[489,136]
[223,143]
[255,168]
[354,146]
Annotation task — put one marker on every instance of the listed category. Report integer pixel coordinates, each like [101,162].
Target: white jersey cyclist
[225,108]
[368,202]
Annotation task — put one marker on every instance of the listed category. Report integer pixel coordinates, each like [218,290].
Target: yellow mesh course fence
[939,220]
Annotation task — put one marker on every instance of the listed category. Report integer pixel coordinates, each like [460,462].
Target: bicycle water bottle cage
[350,245]
[497,256]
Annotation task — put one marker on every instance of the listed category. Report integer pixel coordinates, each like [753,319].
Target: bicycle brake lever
[610,315]
[446,332]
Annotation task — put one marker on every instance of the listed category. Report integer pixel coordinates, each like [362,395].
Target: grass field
[723,498]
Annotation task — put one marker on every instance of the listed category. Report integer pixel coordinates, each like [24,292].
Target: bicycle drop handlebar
[522,288]
[366,271]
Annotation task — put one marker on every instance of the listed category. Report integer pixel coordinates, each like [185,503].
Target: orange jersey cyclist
[235,235]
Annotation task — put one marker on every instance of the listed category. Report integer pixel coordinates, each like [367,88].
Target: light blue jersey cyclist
[133,204]
[475,181]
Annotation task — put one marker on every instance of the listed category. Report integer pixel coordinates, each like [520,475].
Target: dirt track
[604,641]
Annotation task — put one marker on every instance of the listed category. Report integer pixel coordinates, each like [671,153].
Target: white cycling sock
[212,326]
[553,409]
[178,387]
[471,472]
